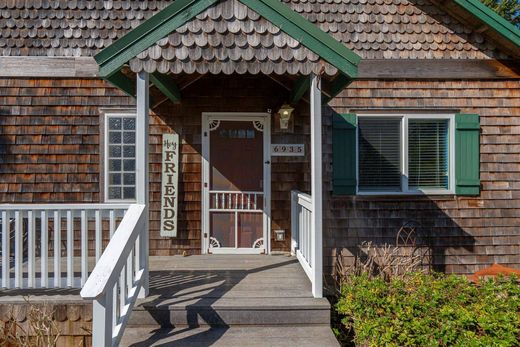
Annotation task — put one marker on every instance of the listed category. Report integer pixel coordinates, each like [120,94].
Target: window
[405,154]
[120,157]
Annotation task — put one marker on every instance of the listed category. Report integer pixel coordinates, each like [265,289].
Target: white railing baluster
[130,271]
[22,225]
[115,311]
[18,249]
[301,226]
[84,247]
[112,223]
[57,249]
[44,251]
[70,249]
[122,290]
[99,235]
[6,245]
[31,232]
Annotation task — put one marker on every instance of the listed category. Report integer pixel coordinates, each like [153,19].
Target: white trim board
[236,116]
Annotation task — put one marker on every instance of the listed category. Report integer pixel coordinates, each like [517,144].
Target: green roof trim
[166,86]
[112,58]
[492,19]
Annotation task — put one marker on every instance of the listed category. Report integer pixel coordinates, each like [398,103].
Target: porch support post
[142,130]
[316,189]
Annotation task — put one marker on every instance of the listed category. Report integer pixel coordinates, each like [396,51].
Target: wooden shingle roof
[373,29]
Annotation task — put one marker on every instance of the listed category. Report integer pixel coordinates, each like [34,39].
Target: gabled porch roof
[229,36]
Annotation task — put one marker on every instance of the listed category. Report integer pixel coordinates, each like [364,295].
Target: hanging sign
[170,180]
[287,150]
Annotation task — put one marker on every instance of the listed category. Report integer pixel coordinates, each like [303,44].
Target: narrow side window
[120,157]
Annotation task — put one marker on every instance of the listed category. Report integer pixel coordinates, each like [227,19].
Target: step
[286,336]
[224,312]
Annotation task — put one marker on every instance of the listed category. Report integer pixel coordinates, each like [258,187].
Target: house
[131,129]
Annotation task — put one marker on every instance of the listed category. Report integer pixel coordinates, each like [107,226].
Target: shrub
[420,309]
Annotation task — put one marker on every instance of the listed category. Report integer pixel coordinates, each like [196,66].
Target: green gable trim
[300,87]
[166,86]
[312,37]
[112,58]
[491,18]
[338,84]
[124,83]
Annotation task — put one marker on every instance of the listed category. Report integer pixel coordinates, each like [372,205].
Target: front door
[234,183]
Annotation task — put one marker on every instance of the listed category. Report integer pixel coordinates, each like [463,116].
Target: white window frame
[106,116]
[404,153]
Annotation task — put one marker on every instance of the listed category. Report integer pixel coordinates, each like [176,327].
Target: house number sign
[170,180]
[286,150]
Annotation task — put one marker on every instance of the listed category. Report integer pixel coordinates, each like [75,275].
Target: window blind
[379,154]
[428,154]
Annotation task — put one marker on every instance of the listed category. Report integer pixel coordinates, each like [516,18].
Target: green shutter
[344,149]
[467,154]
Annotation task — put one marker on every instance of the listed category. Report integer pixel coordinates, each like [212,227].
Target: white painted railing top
[117,279]
[39,240]
[302,243]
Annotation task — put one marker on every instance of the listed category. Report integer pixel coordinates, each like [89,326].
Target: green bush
[430,310]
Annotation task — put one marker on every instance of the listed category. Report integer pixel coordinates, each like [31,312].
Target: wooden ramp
[247,300]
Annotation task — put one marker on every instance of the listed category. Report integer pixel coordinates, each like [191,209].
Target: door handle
[267,162]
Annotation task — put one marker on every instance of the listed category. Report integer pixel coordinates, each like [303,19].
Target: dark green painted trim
[344,154]
[166,86]
[467,154]
[112,58]
[492,19]
[338,84]
[122,82]
[309,35]
[300,87]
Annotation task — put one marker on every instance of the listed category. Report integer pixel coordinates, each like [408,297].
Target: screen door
[235,196]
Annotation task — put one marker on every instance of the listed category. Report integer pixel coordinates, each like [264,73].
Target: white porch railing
[302,238]
[47,245]
[117,279]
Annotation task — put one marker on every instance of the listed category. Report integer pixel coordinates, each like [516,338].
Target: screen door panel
[236,184]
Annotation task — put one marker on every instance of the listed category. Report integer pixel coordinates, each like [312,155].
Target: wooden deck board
[233,336]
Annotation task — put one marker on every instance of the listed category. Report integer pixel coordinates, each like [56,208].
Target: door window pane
[223,228]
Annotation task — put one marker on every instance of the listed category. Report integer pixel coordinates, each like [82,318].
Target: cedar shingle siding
[50,153]
[466,232]
[49,138]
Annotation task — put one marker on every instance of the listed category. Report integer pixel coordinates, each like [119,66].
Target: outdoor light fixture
[285,113]
[279,235]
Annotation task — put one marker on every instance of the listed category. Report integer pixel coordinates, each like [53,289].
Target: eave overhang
[114,58]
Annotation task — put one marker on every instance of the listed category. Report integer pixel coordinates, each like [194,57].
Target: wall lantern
[283,118]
